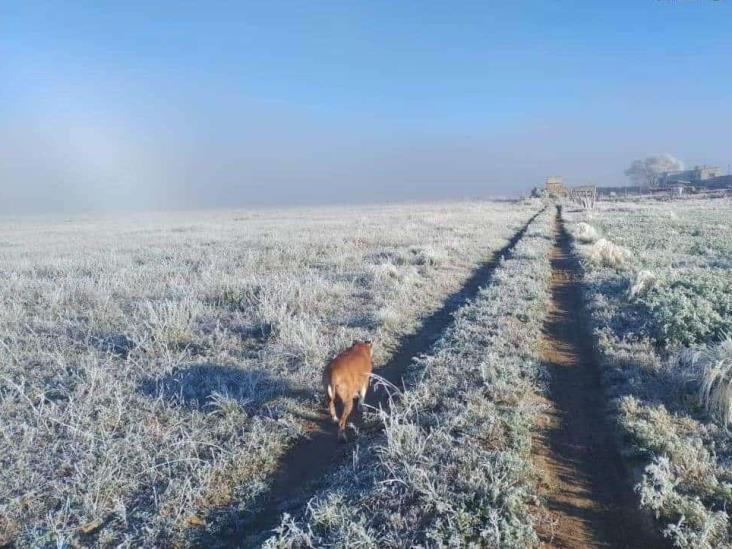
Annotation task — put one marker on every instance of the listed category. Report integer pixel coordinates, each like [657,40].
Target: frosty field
[157,371]
[658,281]
[154,367]
[453,467]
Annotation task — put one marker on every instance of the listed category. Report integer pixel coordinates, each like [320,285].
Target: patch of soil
[303,468]
[587,489]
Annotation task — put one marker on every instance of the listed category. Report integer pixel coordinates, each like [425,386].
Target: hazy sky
[199,104]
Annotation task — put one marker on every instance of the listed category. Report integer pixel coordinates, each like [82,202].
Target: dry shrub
[606,254]
[641,283]
[586,233]
[9,530]
[715,392]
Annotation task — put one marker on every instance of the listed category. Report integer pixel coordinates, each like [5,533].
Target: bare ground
[588,492]
[304,467]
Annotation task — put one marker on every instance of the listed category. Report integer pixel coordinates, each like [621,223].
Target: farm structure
[584,195]
[698,175]
[698,179]
[554,187]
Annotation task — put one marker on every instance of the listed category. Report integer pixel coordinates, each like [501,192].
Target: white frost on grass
[153,367]
[607,254]
[586,233]
[663,363]
[715,391]
[641,283]
[452,467]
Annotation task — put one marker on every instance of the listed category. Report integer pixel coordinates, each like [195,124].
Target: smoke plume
[643,172]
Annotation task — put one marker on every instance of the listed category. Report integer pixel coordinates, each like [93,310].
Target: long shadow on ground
[193,386]
[591,498]
[304,466]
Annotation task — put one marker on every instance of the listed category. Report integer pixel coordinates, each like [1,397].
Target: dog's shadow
[199,386]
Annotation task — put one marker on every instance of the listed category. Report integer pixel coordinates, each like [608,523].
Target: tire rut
[588,492]
[304,466]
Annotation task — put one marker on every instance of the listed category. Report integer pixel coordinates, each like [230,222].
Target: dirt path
[589,497]
[304,467]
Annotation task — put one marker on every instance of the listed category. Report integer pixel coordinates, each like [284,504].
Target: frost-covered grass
[585,233]
[154,367]
[604,253]
[452,467]
[662,325]
[716,385]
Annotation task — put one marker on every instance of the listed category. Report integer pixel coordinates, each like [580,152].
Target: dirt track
[303,468]
[589,496]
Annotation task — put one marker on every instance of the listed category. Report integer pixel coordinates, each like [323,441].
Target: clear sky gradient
[227,104]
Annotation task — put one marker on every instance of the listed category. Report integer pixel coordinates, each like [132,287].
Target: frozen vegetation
[153,368]
[452,467]
[585,233]
[661,310]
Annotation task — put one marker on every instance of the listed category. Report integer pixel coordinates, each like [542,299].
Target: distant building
[555,187]
[721,182]
[678,183]
[698,175]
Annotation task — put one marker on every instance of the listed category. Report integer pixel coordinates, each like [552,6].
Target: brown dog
[346,378]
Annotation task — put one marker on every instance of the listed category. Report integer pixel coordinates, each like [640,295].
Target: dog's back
[346,378]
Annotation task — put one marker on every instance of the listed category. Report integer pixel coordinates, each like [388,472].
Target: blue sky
[208,104]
